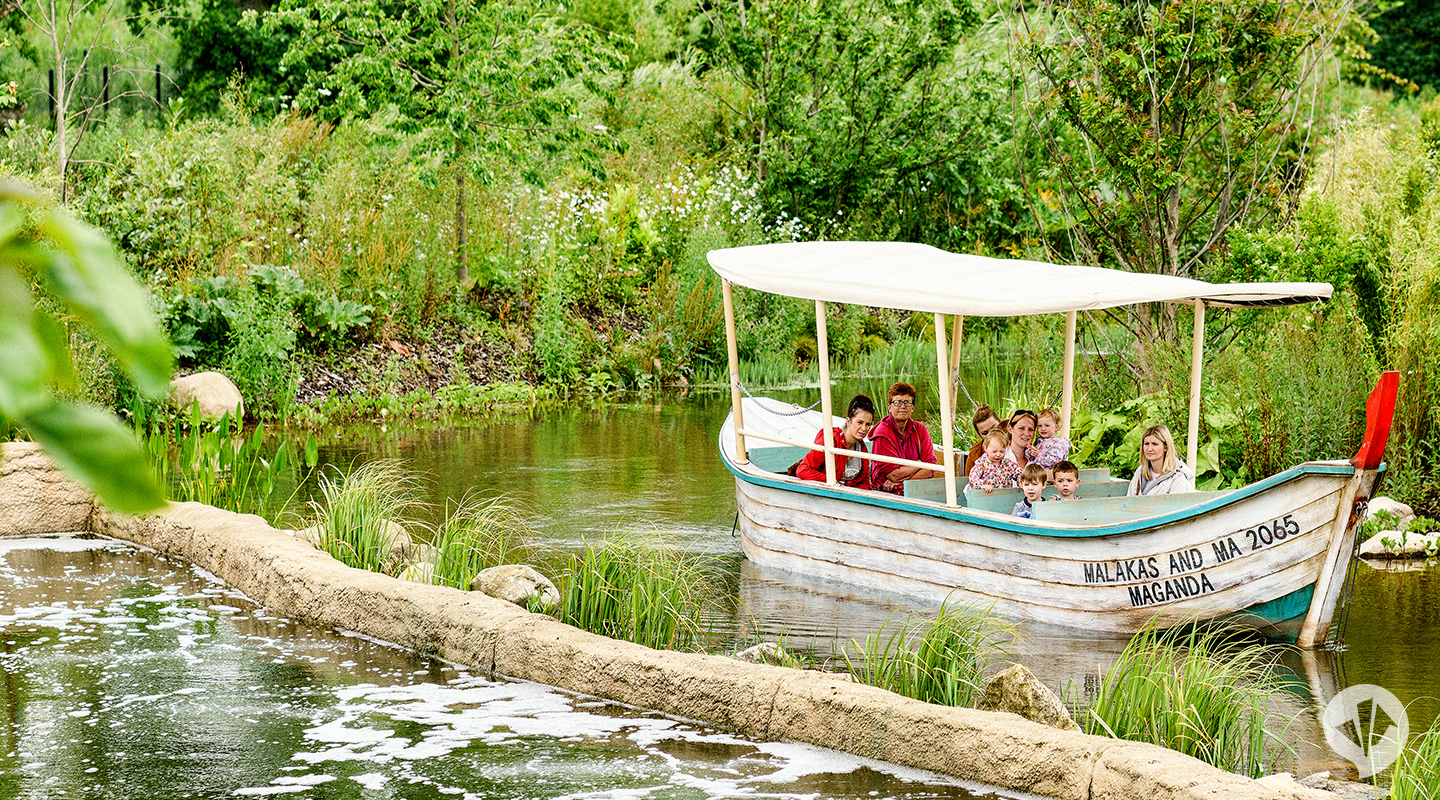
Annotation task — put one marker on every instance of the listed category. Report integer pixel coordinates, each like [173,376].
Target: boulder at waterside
[214,393]
[1395,508]
[767,653]
[1018,691]
[517,583]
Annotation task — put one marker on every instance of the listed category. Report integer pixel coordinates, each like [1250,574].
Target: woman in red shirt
[849,470]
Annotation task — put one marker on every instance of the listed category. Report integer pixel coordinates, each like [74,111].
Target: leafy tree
[1408,42]
[848,97]
[484,78]
[215,51]
[80,275]
[1164,124]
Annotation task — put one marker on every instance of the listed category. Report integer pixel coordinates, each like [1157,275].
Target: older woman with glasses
[899,436]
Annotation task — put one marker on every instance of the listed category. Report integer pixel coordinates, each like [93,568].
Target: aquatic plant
[478,533]
[1202,691]
[938,661]
[634,586]
[359,512]
[219,465]
[1416,773]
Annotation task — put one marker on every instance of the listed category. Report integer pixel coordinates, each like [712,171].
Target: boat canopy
[918,277]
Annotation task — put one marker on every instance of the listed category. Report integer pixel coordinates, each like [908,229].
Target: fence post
[159,101]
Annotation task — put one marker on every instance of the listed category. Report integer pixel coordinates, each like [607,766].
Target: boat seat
[1002,501]
[1106,510]
[776,459]
[933,489]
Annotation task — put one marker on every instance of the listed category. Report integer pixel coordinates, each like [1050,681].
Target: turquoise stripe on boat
[885,500]
[1295,604]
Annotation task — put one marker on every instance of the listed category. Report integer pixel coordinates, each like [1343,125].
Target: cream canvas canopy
[918,277]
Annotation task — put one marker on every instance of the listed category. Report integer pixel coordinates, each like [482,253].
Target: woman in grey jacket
[1160,472]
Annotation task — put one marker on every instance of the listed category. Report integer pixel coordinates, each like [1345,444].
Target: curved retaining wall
[293,579]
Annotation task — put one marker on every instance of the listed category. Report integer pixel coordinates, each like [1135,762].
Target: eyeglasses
[902,403]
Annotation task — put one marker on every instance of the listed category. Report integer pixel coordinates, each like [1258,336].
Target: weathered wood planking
[1232,553]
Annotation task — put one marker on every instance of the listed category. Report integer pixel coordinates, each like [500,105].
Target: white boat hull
[1258,554]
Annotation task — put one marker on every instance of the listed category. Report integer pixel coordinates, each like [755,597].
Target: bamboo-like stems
[822,347]
[947,416]
[1197,360]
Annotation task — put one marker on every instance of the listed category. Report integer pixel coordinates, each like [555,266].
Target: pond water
[125,675]
[586,473]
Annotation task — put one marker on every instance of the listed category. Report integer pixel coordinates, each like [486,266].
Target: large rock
[1395,544]
[1395,508]
[36,496]
[1018,691]
[214,393]
[768,653]
[517,583]
[1347,790]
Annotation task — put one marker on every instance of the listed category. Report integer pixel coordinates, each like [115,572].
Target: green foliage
[848,98]
[1162,123]
[216,52]
[477,534]
[1416,773]
[635,587]
[219,465]
[79,275]
[938,661]
[357,511]
[1203,692]
[1405,33]
[1379,521]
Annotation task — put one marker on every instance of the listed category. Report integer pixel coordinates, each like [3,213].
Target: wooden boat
[1274,554]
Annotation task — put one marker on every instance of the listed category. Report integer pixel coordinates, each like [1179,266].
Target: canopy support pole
[957,327]
[1197,361]
[1067,391]
[733,353]
[822,347]
[947,427]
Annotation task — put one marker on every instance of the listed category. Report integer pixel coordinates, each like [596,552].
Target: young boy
[1032,483]
[1067,479]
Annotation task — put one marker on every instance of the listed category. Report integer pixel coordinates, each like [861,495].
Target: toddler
[1067,480]
[1032,483]
[1050,447]
[993,470]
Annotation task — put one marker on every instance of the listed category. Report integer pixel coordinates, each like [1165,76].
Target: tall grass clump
[475,535]
[1415,775]
[938,661]
[1203,692]
[356,511]
[634,586]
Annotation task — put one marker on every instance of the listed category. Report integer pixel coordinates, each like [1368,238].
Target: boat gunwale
[1016,525]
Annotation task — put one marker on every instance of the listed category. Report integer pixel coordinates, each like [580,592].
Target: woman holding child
[850,471]
[1160,472]
[1022,436]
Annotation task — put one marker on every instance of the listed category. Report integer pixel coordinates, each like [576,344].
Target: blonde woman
[1161,471]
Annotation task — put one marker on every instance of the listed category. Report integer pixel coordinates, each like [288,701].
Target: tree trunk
[462,269]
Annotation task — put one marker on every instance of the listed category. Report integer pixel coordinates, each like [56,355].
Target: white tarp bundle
[918,277]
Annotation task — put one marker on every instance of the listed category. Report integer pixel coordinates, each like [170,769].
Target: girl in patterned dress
[993,470]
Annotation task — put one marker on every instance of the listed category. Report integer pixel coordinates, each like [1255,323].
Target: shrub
[477,534]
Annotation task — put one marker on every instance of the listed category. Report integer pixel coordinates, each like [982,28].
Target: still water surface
[124,675]
[589,472]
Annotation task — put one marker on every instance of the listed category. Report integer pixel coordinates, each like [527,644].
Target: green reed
[1416,773]
[477,534]
[356,511]
[635,586]
[938,661]
[1203,691]
[216,463]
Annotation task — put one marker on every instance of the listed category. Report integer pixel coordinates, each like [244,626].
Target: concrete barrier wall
[292,579]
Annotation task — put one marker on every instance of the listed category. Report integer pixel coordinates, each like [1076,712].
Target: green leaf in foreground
[98,451]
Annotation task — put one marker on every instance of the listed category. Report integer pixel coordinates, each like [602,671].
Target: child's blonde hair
[1033,473]
[996,435]
[1048,412]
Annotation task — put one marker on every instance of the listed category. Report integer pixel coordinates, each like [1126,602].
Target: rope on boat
[1336,639]
[774,411]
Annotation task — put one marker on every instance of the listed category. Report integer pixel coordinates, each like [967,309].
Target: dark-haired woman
[850,471]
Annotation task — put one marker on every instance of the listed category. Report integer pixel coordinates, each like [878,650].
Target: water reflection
[588,472]
[125,675]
